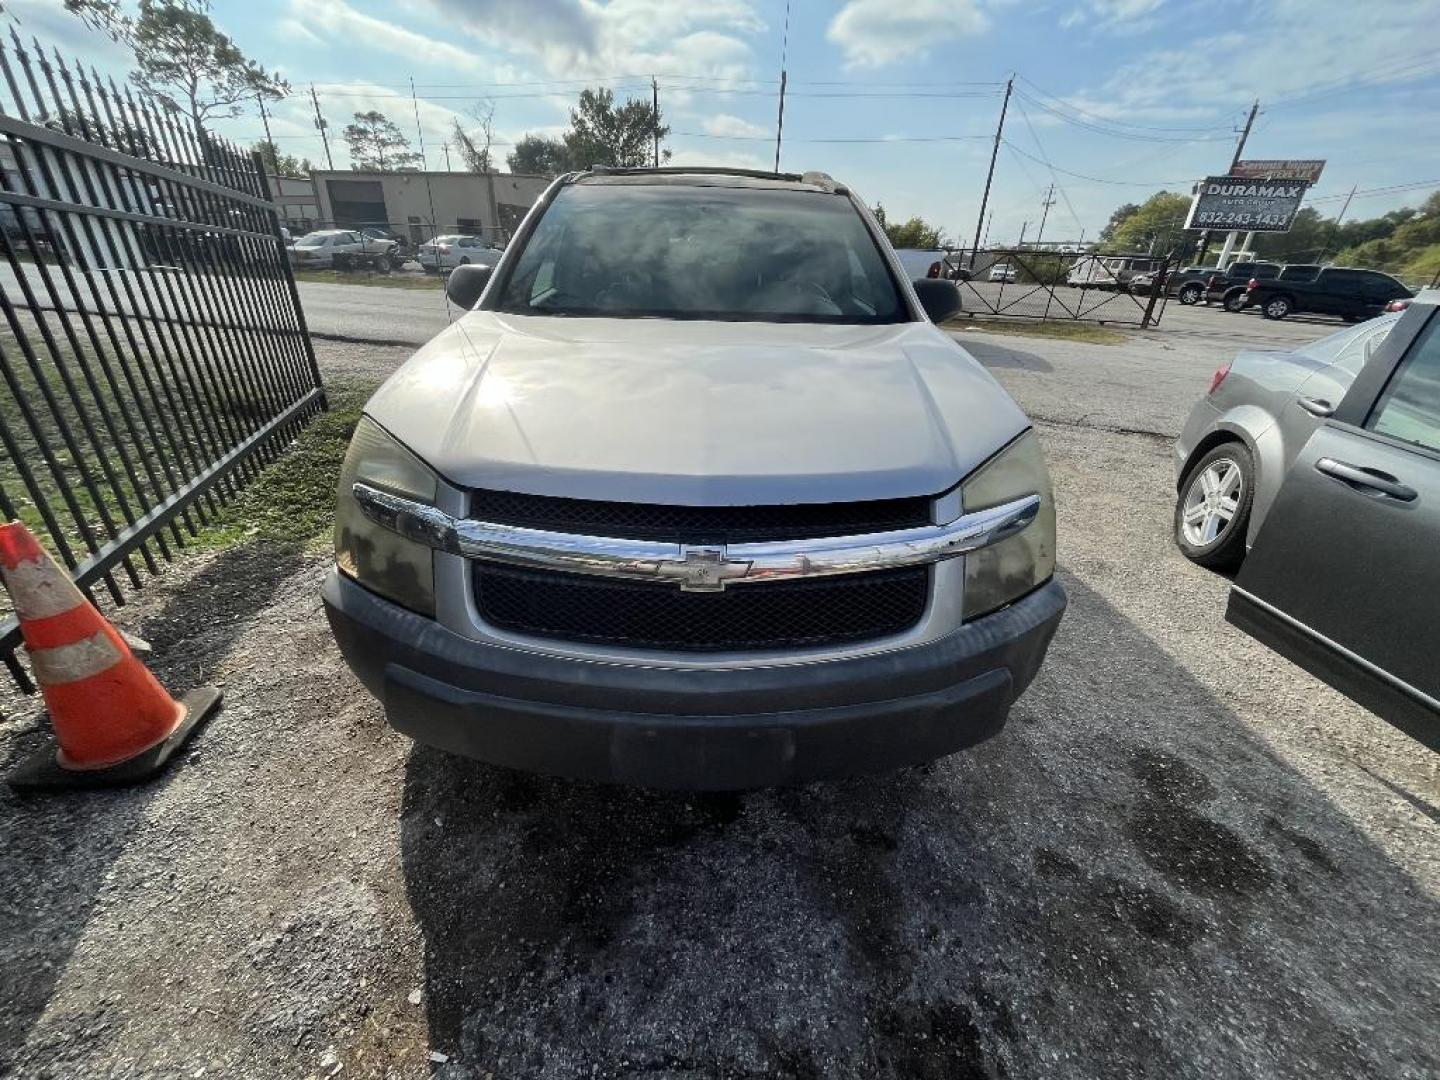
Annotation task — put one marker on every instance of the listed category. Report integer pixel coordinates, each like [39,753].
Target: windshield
[313,240]
[695,252]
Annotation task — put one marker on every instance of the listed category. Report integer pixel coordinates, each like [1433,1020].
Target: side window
[1409,408]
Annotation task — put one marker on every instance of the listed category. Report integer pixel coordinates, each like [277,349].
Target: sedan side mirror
[939,298]
[466,283]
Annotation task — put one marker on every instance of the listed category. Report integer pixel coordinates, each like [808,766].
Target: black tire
[1277,307]
[382,264]
[1234,301]
[1191,294]
[1227,549]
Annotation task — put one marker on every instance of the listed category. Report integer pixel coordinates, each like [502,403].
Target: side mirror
[939,298]
[466,283]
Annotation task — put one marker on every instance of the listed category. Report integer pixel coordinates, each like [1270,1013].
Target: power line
[1116,133]
[1101,179]
[1062,102]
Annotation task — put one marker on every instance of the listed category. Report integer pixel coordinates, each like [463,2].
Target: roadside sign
[1228,202]
[1286,169]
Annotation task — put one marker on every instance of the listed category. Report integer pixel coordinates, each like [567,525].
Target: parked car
[1243,435]
[340,248]
[1350,293]
[1339,497]
[682,500]
[1003,272]
[1174,282]
[448,252]
[1228,286]
[1110,271]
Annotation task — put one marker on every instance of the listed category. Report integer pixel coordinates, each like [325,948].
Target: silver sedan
[1242,437]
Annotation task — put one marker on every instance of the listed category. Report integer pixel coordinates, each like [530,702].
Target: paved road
[412,316]
[1183,858]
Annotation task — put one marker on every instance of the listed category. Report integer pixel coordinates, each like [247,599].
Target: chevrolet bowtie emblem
[703,570]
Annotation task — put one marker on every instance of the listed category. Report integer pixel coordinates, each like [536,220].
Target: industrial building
[418,205]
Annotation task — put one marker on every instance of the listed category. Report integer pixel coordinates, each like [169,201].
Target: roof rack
[819,179]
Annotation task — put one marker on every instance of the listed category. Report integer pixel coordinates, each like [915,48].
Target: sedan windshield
[702,252]
[314,240]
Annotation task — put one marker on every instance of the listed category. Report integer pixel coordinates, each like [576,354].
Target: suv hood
[696,413]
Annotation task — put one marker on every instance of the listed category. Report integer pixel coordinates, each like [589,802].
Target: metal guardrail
[153,351]
[1060,285]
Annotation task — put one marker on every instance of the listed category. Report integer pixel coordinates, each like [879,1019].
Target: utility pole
[419,131]
[1229,246]
[1336,225]
[446,147]
[994,153]
[265,119]
[320,123]
[1049,202]
[1244,135]
[1023,226]
[780,122]
[780,116]
[655,112]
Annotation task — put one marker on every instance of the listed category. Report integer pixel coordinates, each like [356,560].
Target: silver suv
[696,496]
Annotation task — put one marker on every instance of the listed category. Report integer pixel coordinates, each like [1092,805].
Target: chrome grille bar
[695,568]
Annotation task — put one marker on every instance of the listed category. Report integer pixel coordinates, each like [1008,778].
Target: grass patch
[292,501]
[401,280]
[1065,330]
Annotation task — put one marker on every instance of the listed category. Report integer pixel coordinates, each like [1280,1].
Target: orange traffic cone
[114,723]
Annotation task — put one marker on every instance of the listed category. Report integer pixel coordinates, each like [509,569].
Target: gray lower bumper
[695,728]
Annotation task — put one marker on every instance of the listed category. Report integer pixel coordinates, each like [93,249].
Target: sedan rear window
[701,252]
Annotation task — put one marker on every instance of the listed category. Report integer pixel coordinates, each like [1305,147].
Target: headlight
[379,559]
[1002,573]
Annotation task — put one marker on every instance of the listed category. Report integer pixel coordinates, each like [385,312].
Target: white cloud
[582,39]
[338,22]
[1111,14]
[727,126]
[1288,48]
[873,33]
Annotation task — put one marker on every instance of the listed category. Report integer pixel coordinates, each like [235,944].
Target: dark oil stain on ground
[1190,849]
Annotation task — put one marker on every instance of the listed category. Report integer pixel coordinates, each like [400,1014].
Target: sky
[1113,99]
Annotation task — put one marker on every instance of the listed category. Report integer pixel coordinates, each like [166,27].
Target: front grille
[644,614]
[698,524]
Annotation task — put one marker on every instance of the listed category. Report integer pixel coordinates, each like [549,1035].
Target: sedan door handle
[1371,480]
[1316,406]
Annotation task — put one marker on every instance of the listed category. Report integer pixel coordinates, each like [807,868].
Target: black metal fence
[153,353]
[1061,284]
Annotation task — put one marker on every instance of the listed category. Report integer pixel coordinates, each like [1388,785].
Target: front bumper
[691,728]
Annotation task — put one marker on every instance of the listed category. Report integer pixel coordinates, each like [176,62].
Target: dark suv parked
[1229,286]
[1349,293]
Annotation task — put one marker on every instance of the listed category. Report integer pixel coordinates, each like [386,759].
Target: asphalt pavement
[1183,858]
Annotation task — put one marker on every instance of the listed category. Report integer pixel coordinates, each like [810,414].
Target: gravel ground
[1183,858]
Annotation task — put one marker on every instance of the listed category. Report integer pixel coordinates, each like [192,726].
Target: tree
[185,60]
[536,155]
[600,133]
[1122,214]
[102,15]
[1156,226]
[279,164]
[376,144]
[914,233]
[475,149]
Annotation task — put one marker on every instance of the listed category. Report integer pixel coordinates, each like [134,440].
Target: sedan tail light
[444,249]
[1219,376]
[1252,284]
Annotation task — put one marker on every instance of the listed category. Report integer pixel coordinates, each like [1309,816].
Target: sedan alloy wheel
[1212,501]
